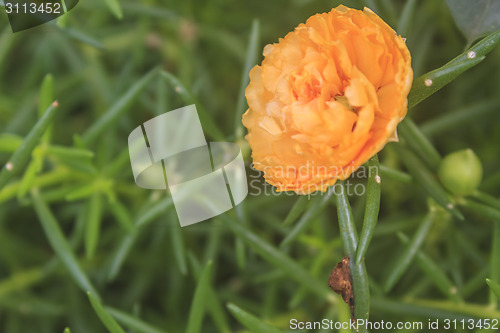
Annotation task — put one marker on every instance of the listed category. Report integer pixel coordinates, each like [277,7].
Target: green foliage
[18,160]
[495,287]
[59,243]
[251,322]
[72,220]
[199,304]
[115,8]
[106,319]
[475,19]
[427,84]
[406,256]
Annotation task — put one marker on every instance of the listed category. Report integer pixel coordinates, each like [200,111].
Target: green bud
[461,172]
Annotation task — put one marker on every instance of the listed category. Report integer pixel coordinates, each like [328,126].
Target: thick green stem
[372,208]
[350,240]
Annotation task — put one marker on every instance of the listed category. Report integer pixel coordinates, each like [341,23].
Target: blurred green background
[72,219]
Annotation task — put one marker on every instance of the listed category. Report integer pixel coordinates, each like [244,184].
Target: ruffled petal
[326,98]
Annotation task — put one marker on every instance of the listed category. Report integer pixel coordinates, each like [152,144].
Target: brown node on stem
[340,281]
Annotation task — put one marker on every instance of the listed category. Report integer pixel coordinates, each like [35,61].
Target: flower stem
[371,208]
[350,240]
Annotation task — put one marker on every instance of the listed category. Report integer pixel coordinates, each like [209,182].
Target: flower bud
[461,172]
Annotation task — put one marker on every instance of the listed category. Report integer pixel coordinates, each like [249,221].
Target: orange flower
[326,98]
